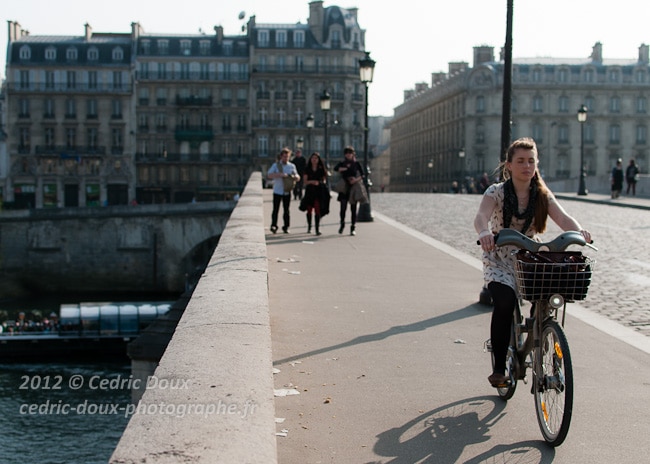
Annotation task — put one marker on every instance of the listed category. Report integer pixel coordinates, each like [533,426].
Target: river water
[63,412]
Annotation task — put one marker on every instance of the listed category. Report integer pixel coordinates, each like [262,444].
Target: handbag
[341,186]
[288,182]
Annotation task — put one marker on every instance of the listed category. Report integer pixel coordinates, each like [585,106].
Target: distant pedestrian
[352,171]
[317,195]
[300,163]
[617,179]
[278,172]
[631,176]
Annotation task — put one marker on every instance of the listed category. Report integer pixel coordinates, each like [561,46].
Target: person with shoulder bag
[352,171]
[284,175]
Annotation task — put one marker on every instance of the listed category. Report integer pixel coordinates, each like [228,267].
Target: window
[615,105]
[23,111]
[145,47]
[262,38]
[93,54]
[640,76]
[92,79]
[117,109]
[71,54]
[71,81]
[537,75]
[70,137]
[589,132]
[204,47]
[49,137]
[641,105]
[563,104]
[480,104]
[563,75]
[590,104]
[24,79]
[641,135]
[204,71]
[588,75]
[263,145]
[91,109]
[49,79]
[538,133]
[117,138]
[25,139]
[614,75]
[538,106]
[70,108]
[118,54]
[91,138]
[162,70]
[143,96]
[185,70]
[163,47]
[25,52]
[336,39]
[563,134]
[281,39]
[299,39]
[614,134]
[186,47]
[48,108]
[50,53]
[117,80]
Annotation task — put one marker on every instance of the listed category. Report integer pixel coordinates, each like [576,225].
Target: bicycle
[549,277]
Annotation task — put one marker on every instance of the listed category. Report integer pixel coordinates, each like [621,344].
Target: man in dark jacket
[301,164]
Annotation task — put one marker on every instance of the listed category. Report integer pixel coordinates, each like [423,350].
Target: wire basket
[542,274]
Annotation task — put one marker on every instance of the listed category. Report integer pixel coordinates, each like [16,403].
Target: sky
[409,41]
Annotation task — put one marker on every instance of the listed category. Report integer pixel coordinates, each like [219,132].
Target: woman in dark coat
[314,180]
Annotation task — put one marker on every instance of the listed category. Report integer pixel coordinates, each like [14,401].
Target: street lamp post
[430,166]
[582,118]
[300,143]
[325,101]
[461,156]
[366,72]
[310,126]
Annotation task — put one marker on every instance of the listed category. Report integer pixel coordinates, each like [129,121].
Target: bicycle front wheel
[554,386]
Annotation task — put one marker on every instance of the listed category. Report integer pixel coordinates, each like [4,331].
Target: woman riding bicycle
[522,202]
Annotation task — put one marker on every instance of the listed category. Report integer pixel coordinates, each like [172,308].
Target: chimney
[88,31]
[644,54]
[597,53]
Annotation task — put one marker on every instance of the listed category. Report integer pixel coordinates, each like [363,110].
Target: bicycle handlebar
[559,243]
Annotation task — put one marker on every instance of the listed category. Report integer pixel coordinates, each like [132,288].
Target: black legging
[353,212]
[505,301]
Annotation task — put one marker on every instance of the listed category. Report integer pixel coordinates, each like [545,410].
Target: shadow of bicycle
[441,435]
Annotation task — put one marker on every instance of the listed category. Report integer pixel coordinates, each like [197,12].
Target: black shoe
[498,380]
[341,228]
[309,230]
[319,233]
[352,232]
[274,229]
[285,230]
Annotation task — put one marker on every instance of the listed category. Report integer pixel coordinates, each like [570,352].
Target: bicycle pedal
[487,346]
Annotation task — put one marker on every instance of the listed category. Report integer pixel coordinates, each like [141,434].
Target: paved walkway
[371,332]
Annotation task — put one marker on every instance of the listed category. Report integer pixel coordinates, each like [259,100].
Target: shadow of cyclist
[440,436]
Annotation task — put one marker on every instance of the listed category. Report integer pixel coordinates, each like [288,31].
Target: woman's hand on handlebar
[585,233]
[486,240]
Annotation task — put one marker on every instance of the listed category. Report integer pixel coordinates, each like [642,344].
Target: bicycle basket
[542,274]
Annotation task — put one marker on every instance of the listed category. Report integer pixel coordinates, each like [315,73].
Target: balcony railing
[63,150]
[220,158]
[194,133]
[193,101]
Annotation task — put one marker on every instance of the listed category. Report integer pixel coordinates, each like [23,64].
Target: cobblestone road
[620,288]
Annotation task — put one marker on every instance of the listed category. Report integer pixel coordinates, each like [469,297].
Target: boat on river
[89,330]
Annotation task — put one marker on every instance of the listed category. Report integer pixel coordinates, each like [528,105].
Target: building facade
[451,131]
[116,118]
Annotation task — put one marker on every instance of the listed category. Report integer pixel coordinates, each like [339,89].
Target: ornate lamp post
[310,126]
[430,166]
[582,118]
[325,101]
[366,72]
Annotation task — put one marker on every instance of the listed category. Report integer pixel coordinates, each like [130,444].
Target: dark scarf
[511,205]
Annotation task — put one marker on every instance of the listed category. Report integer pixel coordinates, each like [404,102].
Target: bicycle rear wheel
[554,390]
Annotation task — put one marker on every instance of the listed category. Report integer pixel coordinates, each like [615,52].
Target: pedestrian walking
[300,163]
[316,199]
[352,171]
[617,179]
[284,174]
[631,177]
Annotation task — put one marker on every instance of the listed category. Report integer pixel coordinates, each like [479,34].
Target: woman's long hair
[320,166]
[543,192]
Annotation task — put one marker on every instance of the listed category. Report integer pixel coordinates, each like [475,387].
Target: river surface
[68,413]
